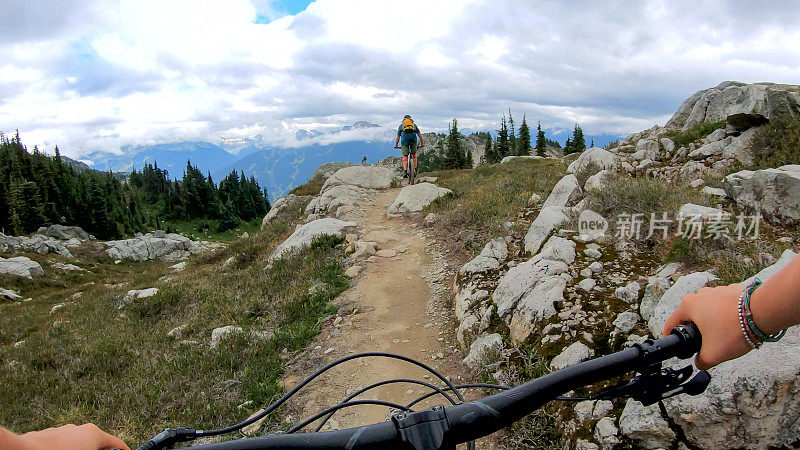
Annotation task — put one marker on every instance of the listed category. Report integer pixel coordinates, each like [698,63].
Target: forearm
[776,303]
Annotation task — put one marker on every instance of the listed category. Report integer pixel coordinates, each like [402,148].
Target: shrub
[777,144]
[698,131]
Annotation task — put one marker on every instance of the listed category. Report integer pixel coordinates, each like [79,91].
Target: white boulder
[368,177]
[537,306]
[547,222]
[416,197]
[775,192]
[565,193]
[21,266]
[483,350]
[575,353]
[592,161]
[304,235]
[519,280]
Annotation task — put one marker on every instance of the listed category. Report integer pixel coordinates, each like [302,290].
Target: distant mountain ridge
[276,168]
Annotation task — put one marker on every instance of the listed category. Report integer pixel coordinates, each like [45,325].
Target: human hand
[715,312]
[73,437]
[421,144]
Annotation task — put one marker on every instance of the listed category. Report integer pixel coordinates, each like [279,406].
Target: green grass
[205,230]
[489,195]
[682,138]
[91,361]
[629,195]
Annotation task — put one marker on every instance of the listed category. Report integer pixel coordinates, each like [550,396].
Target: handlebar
[441,427]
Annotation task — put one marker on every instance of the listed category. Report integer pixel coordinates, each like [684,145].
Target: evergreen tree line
[449,152]
[511,143]
[196,196]
[38,190]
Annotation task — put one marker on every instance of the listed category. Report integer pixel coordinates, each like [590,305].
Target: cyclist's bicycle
[412,169]
[462,422]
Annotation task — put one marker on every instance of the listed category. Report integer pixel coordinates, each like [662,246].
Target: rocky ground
[572,297]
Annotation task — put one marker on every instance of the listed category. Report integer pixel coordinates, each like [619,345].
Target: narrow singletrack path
[393,306]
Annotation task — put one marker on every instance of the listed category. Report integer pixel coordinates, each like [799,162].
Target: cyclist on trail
[774,305]
[408,131]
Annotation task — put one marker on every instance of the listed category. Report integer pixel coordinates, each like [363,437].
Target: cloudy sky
[102,74]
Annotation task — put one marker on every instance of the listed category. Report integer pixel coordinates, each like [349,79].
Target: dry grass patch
[92,361]
[486,197]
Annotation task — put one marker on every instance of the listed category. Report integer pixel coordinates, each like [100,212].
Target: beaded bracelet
[748,289]
[748,315]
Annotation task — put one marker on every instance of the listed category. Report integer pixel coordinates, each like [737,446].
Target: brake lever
[658,384]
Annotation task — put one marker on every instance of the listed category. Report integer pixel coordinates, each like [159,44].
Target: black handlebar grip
[691,337]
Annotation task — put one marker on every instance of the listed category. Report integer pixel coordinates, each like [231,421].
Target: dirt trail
[396,305]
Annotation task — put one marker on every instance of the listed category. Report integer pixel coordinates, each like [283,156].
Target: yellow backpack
[408,125]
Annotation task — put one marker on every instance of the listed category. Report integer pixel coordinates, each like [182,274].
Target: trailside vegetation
[38,190]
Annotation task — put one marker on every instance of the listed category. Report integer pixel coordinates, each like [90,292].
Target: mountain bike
[442,427]
[412,171]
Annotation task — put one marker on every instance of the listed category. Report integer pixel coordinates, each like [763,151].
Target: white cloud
[103,74]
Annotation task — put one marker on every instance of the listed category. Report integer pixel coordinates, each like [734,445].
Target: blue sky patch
[290,7]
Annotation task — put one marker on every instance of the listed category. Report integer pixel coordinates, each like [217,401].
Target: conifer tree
[541,141]
[512,136]
[578,141]
[502,140]
[524,138]
[469,162]
[490,153]
[26,208]
[454,154]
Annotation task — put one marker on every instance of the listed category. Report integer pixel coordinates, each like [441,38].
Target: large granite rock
[547,222]
[38,243]
[752,401]
[367,177]
[416,197]
[742,105]
[338,196]
[537,306]
[592,161]
[565,193]
[65,233]
[304,235]
[519,281]
[775,192]
[21,266]
[281,204]
[156,246]
[490,258]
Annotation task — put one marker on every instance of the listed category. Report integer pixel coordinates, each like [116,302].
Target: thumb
[674,320]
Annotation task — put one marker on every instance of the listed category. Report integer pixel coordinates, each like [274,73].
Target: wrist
[768,322]
[760,303]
